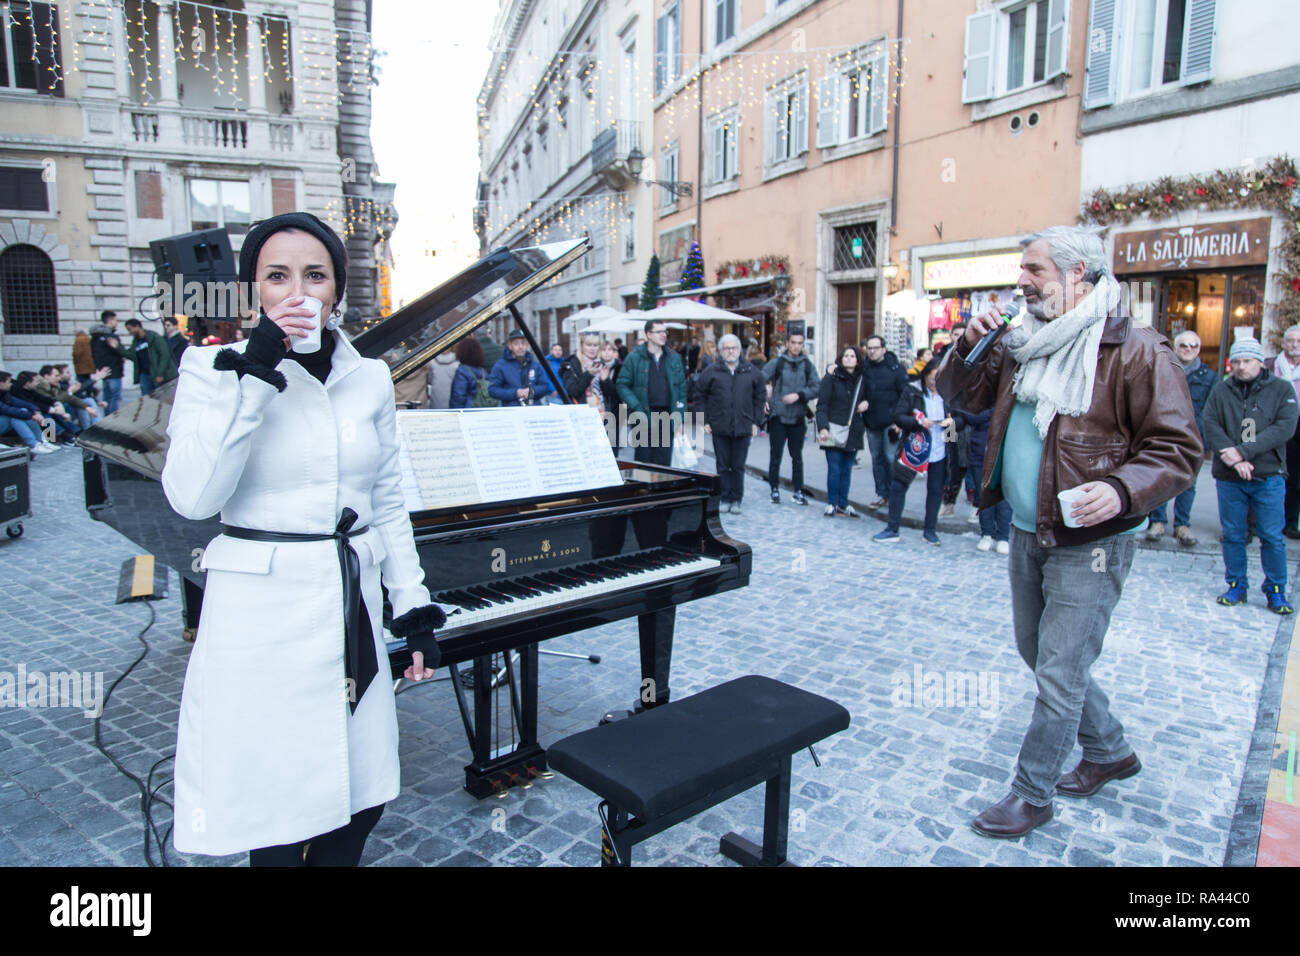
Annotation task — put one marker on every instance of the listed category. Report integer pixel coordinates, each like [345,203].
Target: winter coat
[464,386]
[178,343]
[1257,421]
[791,375]
[1201,380]
[609,388]
[161,362]
[508,375]
[885,383]
[83,360]
[14,407]
[577,382]
[835,403]
[634,380]
[978,425]
[58,394]
[104,354]
[442,371]
[909,403]
[267,749]
[733,400]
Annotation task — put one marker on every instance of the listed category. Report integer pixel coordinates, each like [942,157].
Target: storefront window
[1246,305]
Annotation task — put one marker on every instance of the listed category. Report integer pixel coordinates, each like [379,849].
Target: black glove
[260,357]
[416,627]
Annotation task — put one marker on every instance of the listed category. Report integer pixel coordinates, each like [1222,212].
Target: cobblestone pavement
[826,610]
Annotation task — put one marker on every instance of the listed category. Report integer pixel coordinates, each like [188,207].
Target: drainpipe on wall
[898,97]
[699,159]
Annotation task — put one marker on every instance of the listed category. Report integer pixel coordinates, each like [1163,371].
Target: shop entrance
[855,312]
[1214,305]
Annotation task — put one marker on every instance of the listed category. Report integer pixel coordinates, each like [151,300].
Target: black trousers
[651,450]
[781,436]
[731,453]
[934,477]
[341,847]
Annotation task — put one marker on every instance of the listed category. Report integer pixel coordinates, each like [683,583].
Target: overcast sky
[425,131]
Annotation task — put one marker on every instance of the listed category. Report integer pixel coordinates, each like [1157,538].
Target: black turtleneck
[316,364]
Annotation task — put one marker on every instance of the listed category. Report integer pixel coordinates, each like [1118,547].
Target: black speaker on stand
[202,256]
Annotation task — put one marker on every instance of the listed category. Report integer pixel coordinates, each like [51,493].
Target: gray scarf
[1058,359]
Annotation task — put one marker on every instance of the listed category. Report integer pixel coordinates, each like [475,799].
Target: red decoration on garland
[1295,284]
[1289,182]
[1202,191]
[1168,197]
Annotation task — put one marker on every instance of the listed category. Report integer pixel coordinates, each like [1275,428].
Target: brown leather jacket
[1140,435]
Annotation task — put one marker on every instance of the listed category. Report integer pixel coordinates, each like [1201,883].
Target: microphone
[990,339]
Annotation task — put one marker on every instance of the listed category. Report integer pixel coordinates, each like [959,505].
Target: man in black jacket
[176,340]
[103,348]
[1248,419]
[885,380]
[733,396]
[792,383]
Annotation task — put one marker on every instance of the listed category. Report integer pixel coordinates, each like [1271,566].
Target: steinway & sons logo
[546,553]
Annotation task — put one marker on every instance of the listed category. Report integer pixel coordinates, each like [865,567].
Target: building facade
[867,151]
[564,107]
[140,120]
[1188,116]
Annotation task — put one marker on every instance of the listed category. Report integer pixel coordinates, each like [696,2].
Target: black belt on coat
[359,661]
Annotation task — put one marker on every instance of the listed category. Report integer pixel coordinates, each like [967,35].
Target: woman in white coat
[287,742]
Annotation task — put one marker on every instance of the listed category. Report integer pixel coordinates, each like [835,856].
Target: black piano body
[521,571]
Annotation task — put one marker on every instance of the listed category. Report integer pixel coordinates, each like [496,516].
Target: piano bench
[663,766]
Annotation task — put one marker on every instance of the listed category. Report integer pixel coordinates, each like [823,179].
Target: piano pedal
[188,634]
[540,774]
[499,789]
[520,782]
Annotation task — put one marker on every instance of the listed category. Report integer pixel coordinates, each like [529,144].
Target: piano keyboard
[513,597]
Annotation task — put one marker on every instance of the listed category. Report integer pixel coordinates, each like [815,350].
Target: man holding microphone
[1092,428]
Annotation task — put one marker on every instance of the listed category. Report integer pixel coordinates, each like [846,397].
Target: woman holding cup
[287,741]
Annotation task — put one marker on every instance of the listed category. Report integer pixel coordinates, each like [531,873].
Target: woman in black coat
[920,410]
[841,402]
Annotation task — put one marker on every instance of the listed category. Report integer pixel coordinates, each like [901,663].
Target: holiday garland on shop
[753,268]
[1276,186]
[650,291]
[693,271]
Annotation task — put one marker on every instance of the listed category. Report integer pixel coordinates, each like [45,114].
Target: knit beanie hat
[308,223]
[1246,348]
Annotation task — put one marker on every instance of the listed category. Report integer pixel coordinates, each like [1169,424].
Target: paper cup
[1067,499]
[311,342]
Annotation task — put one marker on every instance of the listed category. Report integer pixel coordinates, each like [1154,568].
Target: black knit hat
[308,223]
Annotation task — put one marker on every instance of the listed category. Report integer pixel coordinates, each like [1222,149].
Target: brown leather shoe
[1010,817]
[1087,778]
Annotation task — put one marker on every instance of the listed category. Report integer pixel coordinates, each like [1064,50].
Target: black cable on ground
[148,792]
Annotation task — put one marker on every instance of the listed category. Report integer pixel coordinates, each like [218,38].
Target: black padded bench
[665,765]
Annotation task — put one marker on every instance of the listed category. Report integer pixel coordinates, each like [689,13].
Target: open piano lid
[440,318]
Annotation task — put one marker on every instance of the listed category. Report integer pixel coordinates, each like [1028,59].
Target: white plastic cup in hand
[311,341]
[1067,499]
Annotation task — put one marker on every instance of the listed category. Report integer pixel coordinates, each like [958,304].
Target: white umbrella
[688,310]
[595,313]
[625,324]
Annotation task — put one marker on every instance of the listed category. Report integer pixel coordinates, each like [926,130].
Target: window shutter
[828,110]
[1198,43]
[719,158]
[661,53]
[1058,21]
[772,133]
[801,122]
[878,105]
[719,12]
[977,81]
[1099,77]
[732,138]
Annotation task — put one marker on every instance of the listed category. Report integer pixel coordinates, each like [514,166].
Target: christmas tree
[650,291]
[693,273]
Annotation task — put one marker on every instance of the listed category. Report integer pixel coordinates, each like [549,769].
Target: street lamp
[781,283]
[636,163]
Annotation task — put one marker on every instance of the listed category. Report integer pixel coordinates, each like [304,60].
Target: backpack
[482,398]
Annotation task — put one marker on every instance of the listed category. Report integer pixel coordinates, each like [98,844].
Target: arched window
[27,297]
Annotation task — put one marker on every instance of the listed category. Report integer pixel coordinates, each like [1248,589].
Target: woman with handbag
[925,422]
[287,739]
[840,427]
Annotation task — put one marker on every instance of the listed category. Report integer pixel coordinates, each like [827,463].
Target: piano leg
[656,634]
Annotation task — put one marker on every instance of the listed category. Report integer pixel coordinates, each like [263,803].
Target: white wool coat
[267,750]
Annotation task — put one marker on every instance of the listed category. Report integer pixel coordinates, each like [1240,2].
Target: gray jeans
[1061,601]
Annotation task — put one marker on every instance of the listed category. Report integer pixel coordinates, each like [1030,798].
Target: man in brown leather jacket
[1085,403]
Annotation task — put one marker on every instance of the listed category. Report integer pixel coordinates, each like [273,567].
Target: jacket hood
[101,329]
[445,358]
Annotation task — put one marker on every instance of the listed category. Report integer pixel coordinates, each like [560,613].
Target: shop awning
[731,285]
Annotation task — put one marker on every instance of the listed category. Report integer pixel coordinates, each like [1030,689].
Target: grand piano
[576,560]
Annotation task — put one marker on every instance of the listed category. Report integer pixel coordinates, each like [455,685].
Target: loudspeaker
[201,255]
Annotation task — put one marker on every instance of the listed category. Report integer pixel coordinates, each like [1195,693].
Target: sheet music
[473,456]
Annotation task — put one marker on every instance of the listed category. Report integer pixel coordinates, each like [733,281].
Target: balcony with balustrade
[610,150]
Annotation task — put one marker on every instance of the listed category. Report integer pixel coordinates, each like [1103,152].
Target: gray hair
[728,339]
[1069,245]
[1294,328]
[1189,334]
